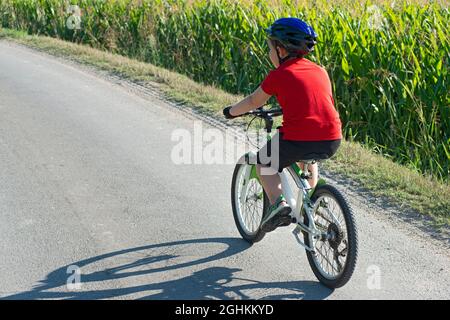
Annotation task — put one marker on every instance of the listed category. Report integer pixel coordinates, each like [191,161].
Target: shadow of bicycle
[208,283]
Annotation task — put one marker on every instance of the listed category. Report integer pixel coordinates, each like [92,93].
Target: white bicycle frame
[299,204]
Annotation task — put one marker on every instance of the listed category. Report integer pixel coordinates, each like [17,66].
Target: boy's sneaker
[277,215]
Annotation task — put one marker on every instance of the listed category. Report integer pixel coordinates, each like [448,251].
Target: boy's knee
[259,168]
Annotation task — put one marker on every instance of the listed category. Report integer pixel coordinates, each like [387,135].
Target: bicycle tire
[352,236]
[258,234]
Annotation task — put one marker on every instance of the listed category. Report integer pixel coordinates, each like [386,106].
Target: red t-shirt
[303,90]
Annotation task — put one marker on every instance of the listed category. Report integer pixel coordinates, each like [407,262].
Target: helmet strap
[282,60]
[289,56]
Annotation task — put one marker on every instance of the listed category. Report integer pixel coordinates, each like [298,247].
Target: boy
[310,125]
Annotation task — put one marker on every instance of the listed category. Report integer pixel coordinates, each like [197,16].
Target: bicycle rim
[249,202]
[331,254]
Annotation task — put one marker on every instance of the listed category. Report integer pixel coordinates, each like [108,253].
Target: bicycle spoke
[327,258]
[343,252]
[321,256]
[328,261]
[251,205]
[336,258]
[323,217]
[253,217]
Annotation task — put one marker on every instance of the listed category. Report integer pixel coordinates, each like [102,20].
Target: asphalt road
[87,180]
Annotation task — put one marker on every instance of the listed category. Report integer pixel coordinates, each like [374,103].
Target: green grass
[381,176]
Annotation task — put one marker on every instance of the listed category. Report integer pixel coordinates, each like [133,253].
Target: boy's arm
[257,99]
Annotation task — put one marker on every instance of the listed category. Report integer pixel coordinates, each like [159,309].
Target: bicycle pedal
[285,224]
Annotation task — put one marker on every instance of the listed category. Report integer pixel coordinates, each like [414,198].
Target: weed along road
[93,206]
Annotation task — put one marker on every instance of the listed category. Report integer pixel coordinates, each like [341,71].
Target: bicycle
[324,230]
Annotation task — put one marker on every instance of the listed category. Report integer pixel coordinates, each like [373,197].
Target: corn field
[388,61]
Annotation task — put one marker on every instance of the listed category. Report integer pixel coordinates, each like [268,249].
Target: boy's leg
[314,169]
[268,158]
[270,183]
[278,212]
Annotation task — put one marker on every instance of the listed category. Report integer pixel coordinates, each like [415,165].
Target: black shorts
[294,151]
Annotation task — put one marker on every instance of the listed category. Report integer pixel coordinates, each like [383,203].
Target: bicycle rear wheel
[249,202]
[335,254]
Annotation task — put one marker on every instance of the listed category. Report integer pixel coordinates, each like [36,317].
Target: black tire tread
[352,236]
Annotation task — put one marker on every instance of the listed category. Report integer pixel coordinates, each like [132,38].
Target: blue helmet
[295,35]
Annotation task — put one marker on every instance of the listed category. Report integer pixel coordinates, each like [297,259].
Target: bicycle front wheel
[249,202]
[334,257]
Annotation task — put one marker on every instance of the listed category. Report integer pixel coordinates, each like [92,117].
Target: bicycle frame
[301,205]
[307,207]
[298,205]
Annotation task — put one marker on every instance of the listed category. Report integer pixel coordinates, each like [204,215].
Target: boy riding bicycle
[311,124]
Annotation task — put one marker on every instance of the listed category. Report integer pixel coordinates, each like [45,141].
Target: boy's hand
[227,114]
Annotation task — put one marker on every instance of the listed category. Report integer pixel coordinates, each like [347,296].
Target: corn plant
[388,63]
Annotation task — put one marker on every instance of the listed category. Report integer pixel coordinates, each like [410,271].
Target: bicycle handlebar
[264,113]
